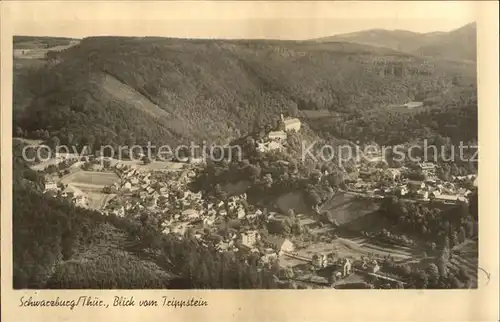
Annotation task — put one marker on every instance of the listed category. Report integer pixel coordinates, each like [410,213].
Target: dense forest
[456,120]
[118,90]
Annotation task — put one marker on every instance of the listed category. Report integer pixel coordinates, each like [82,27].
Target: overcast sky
[276,20]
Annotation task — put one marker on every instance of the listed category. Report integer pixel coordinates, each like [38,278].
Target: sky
[227,19]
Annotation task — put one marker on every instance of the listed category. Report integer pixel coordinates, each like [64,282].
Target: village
[158,193]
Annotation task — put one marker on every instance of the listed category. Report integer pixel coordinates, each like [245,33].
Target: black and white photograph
[293,154]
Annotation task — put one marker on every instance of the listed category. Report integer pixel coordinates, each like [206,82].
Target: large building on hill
[290,124]
[277,135]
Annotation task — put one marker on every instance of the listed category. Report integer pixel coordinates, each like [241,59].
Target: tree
[19,132]
[55,142]
[433,272]
[406,269]
[106,164]
[443,268]
[422,280]
[89,142]
[293,110]
[146,160]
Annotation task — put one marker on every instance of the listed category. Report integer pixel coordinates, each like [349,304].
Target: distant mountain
[456,44]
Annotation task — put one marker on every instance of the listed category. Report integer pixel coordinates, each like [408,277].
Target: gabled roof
[277,133]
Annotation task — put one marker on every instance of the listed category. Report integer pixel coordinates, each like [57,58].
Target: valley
[265,216]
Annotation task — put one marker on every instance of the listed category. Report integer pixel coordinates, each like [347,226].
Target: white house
[277,135]
[412,104]
[423,194]
[268,146]
[241,213]
[403,190]
[250,237]
[427,166]
[191,214]
[127,185]
[347,267]
[50,186]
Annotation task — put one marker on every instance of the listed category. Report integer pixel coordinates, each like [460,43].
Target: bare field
[125,93]
[353,248]
[347,208]
[153,166]
[90,179]
[38,52]
[98,200]
[356,247]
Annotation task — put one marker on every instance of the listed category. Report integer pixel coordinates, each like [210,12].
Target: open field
[89,180]
[357,247]
[153,166]
[353,247]
[29,141]
[39,52]
[344,208]
[122,91]
[295,201]
[42,165]
[372,222]
[98,200]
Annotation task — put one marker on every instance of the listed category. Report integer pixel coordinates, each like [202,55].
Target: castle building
[291,124]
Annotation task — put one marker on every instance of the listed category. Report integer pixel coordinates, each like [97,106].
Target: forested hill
[115,90]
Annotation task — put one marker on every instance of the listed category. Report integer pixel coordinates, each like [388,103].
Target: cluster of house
[269,249]
[149,191]
[191,211]
[437,190]
[68,192]
[430,188]
[275,139]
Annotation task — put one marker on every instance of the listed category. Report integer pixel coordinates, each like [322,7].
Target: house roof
[277,133]
[447,197]
[291,121]
[190,212]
